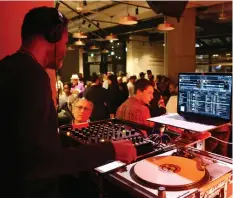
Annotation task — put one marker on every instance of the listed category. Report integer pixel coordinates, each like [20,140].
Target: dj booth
[165,165]
[168,164]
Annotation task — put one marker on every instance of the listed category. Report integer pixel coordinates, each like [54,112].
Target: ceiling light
[79,8]
[111,41]
[112,53]
[222,16]
[128,20]
[92,55]
[94,47]
[79,43]
[79,35]
[111,37]
[165,27]
[104,51]
[70,48]
[228,54]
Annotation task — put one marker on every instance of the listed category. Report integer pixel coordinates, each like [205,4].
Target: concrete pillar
[142,56]
[80,52]
[180,45]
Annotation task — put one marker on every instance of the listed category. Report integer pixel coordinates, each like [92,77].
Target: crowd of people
[108,92]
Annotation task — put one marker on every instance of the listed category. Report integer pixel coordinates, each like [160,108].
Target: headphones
[54,33]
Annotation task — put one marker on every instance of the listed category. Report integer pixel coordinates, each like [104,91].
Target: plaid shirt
[134,110]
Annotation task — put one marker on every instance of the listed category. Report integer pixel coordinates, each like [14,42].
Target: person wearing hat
[77,87]
[32,157]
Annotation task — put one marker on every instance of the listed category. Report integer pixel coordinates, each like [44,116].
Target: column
[180,45]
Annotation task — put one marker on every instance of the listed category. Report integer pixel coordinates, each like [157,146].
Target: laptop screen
[205,94]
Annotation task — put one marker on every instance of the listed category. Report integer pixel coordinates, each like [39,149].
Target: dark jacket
[98,96]
[114,99]
[155,110]
[124,92]
[32,159]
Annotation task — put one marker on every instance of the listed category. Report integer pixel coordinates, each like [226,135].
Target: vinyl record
[172,172]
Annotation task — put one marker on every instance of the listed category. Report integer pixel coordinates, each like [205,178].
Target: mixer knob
[75,133]
[133,140]
[93,139]
[132,131]
[137,139]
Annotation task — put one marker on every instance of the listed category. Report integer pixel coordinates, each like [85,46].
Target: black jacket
[32,159]
[155,110]
[98,96]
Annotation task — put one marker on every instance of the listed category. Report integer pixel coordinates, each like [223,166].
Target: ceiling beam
[131,4]
[74,10]
[142,25]
[95,10]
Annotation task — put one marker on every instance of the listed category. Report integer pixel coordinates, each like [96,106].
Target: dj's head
[49,27]
[144,90]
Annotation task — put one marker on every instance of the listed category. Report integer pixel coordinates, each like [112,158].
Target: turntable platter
[172,172]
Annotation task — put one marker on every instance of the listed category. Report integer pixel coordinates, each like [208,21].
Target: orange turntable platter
[172,172]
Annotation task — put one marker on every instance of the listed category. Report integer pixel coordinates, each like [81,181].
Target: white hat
[74,76]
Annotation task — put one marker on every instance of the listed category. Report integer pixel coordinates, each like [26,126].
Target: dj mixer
[115,130]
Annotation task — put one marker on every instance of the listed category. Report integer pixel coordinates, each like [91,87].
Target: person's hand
[125,151]
[161,102]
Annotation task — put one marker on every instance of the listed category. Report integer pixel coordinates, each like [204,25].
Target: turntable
[207,175]
[172,172]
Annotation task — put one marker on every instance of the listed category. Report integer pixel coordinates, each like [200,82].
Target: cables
[221,140]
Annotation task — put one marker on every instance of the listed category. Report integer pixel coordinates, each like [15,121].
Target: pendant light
[128,20]
[111,37]
[222,15]
[79,43]
[165,27]
[79,34]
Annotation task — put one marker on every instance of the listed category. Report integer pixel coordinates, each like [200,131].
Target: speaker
[168,8]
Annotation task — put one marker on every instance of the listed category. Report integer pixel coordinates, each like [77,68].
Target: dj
[32,159]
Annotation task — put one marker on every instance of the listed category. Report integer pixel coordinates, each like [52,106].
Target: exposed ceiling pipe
[131,4]
[74,10]
[107,22]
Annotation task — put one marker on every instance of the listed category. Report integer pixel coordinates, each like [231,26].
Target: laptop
[204,102]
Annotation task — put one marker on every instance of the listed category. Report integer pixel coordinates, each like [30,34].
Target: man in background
[135,108]
[98,96]
[130,85]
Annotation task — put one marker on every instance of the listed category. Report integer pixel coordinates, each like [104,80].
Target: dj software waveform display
[208,95]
